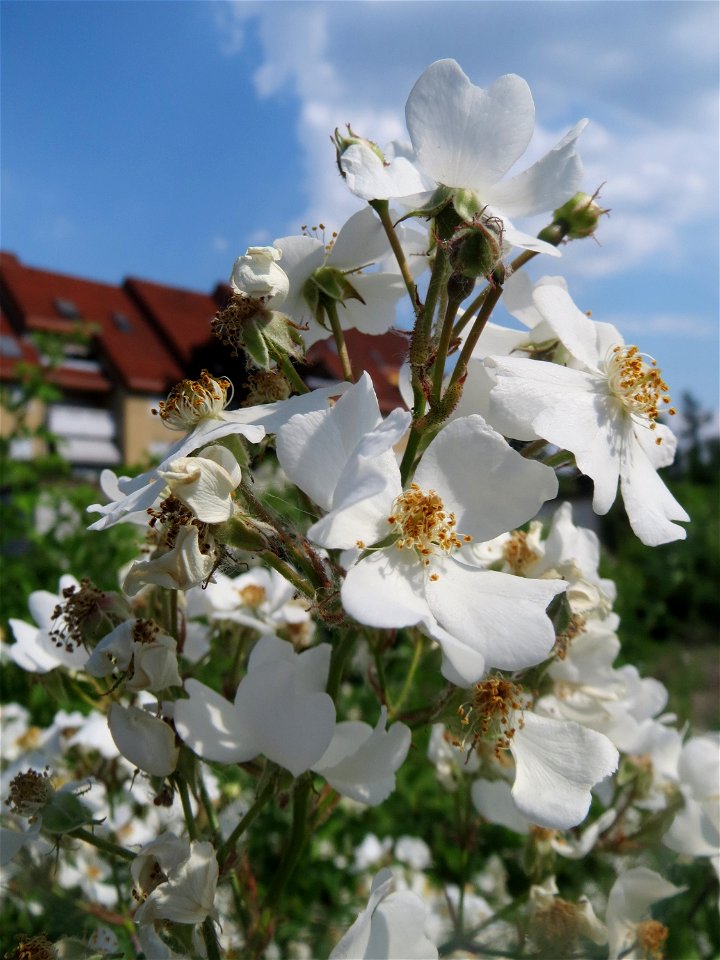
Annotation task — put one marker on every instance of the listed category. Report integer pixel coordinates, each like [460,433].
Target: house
[121,350]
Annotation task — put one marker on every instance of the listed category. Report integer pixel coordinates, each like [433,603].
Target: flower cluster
[333,601]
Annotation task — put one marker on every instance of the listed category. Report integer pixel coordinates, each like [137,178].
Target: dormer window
[67,309]
[122,322]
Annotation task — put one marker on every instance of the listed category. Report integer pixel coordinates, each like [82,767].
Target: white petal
[386,590]
[210,726]
[487,485]
[189,894]
[546,184]
[493,800]
[361,762]
[500,616]
[570,408]
[390,928]
[557,764]
[313,448]
[369,178]
[366,489]
[144,740]
[291,726]
[360,241]
[465,136]
[650,506]
[575,329]
[526,241]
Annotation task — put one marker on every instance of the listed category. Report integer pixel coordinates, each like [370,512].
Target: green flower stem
[531,449]
[382,209]
[470,311]
[472,338]
[295,844]
[553,237]
[262,798]
[304,586]
[408,461]
[561,459]
[340,655]
[445,338]
[259,510]
[288,369]
[182,789]
[395,709]
[332,315]
[422,334]
[211,942]
[107,846]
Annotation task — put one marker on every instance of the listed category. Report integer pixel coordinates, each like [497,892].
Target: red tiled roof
[15,350]
[128,342]
[182,317]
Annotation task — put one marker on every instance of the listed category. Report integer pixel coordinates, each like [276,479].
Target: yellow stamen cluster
[651,937]
[252,595]
[72,615]
[518,554]
[424,525]
[637,384]
[193,400]
[29,793]
[492,712]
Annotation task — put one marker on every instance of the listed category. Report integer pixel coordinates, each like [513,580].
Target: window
[67,309]
[9,347]
[122,322]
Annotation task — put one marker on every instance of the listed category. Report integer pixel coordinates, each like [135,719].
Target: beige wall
[140,434]
[35,418]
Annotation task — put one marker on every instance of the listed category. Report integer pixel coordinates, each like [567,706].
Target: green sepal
[334,284]
[560,613]
[66,812]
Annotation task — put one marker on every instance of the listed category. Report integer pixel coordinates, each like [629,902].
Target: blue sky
[160,139]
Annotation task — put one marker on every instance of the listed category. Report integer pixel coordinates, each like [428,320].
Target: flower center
[492,712]
[252,595]
[518,554]
[651,937]
[73,614]
[34,948]
[424,525]
[30,792]
[637,384]
[193,400]
[168,519]
[556,926]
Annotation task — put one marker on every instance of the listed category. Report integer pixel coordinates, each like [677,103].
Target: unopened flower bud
[579,216]
[476,247]
[343,141]
[256,275]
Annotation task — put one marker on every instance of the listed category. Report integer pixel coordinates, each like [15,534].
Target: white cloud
[660,176]
[666,324]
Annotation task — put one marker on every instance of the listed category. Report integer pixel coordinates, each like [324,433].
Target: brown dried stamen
[193,400]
